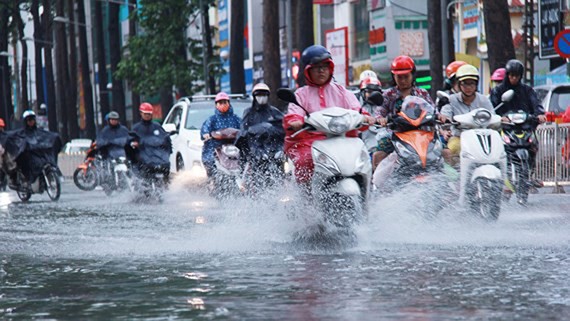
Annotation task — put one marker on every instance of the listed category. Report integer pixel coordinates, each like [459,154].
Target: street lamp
[42,42]
[67,21]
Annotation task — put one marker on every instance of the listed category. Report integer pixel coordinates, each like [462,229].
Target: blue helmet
[314,54]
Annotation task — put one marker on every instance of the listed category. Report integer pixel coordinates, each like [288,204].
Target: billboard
[548,26]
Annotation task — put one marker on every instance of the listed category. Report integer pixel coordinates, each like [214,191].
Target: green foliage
[161,55]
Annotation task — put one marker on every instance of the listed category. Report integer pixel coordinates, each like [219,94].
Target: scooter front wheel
[85,180]
[53,185]
[485,200]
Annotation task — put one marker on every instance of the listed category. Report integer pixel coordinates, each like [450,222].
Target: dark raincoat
[216,122]
[33,148]
[261,131]
[111,141]
[154,147]
[525,99]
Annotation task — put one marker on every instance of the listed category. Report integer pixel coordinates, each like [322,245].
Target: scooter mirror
[507,95]
[376,98]
[287,95]
[442,94]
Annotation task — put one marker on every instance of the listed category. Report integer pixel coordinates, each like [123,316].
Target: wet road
[93,257]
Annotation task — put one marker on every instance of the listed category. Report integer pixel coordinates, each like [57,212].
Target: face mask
[262,100]
[223,108]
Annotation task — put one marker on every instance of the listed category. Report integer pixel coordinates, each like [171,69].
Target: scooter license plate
[121,168]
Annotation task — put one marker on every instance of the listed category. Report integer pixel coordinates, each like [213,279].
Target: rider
[451,85]
[367,87]
[32,147]
[366,74]
[153,144]
[223,117]
[525,99]
[497,77]
[403,71]
[464,101]
[112,139]
[260,112]
[319,93]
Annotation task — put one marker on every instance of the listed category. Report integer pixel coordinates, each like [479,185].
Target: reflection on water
[89,257]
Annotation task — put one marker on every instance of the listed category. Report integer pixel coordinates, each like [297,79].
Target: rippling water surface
[91,257]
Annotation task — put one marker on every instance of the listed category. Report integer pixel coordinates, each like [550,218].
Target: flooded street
[93,257]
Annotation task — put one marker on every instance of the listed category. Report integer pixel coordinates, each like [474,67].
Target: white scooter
[341,179]
[483,161]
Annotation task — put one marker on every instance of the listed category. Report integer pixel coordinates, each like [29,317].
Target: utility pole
[528,42]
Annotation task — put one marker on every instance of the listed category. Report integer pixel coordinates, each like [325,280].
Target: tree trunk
[237,72]
[101,60]
[305,35]
[51,101]
[165,100]
[450,37]
[500,46]
[115,46]
[435,45]
[25,100]
[63,83]
[38,45]
[85,74]
[271,57]
[136,98]
[73,106]
[209,49]
[5,70]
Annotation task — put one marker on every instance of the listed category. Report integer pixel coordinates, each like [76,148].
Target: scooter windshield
[412,106]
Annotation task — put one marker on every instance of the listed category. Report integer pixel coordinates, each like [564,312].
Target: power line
[408,9]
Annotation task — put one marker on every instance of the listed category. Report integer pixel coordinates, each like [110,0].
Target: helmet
[499,74]
[402,65]
[514,67]
[315,54]
[146,108]
[467,72]
[371,83]
[451,69]
[221,96]
[28,113]
[2,124]
[367,74]
[260,88]
[113,115]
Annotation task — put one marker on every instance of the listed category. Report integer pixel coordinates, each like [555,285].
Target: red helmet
[403,65]
[371,83]
[221,96]
[2,124]
[146,108]
[451,69]
[499,74]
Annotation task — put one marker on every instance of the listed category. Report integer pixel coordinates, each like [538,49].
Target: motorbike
[264,157]
[226,180]
[342,168]
[416,161]
[115,175]
[518,136]
[86,174]
[48,181]
[482,162]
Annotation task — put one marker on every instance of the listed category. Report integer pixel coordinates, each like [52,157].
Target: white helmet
[28,113]
[367,74]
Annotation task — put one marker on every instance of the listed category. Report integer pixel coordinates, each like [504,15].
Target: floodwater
[92,257]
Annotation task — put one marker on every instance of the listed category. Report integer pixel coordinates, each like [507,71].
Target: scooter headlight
[518,118]
[482,117]
[403,151]
[325,161]
[339,124]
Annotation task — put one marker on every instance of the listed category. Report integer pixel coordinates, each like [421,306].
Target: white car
[76,146]
[186,118]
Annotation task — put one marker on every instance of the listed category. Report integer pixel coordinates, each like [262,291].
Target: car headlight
[325,161]
[339,124]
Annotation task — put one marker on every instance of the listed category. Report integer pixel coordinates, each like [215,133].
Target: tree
[115,58]
[51,102]
[271,58]
[39,44]
[72,111]
[153,63]
[497,19]
[101,59]
[237,72]
[435,45]
[7,107]
[63,81]
[86,79]
[135,97]
[305,36]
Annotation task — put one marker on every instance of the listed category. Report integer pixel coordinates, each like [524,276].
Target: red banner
[323,1]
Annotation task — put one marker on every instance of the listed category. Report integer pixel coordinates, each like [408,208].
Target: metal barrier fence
[67,163]
[553,158]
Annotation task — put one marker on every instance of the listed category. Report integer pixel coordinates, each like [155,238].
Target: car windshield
[200,111]
[560,99]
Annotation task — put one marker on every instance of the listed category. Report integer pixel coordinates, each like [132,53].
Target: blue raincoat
[216,122]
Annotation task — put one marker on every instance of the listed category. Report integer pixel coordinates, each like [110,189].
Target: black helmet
[514,67]
[315,54]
